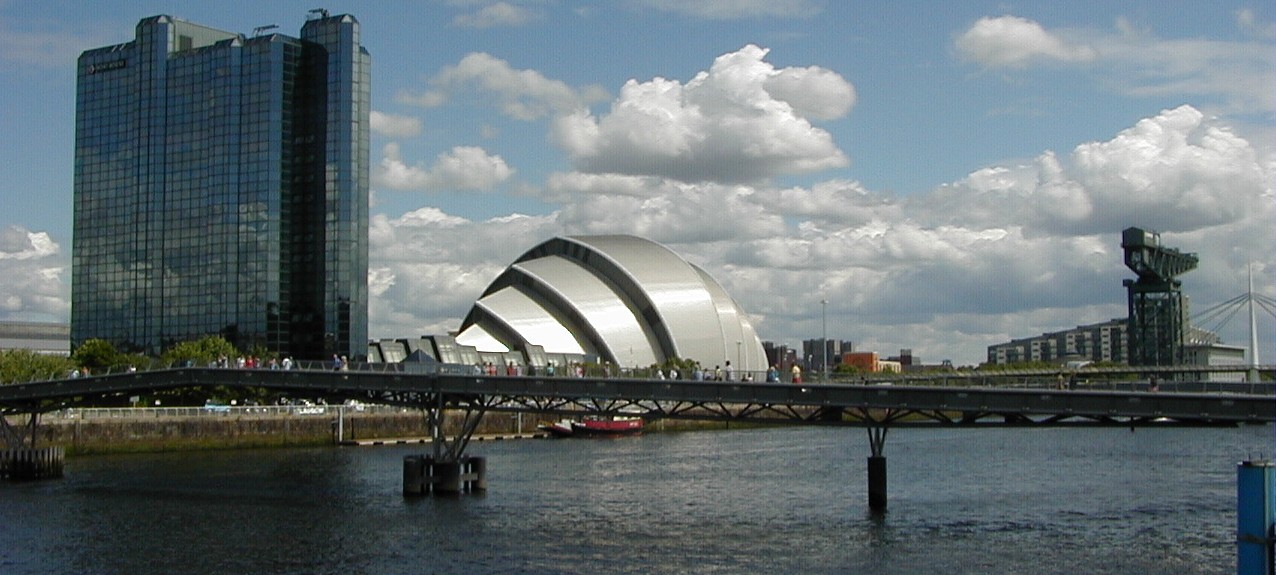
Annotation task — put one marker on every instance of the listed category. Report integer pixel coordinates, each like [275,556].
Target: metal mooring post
[1255,518]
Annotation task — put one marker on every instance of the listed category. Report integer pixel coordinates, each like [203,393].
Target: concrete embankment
[136,430]
[180,429]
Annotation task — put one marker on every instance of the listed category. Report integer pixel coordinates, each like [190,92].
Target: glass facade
[221,187]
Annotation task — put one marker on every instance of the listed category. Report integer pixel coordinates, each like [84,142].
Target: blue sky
[947,175]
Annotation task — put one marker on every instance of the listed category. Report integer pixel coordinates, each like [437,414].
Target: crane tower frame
[1158,310]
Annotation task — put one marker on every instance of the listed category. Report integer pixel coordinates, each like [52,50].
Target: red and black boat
[595,427]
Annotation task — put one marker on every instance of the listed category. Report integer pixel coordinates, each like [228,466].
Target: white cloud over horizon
[1008,251]
[33,282]
[462,168]
[707,166]
[521,94]
[740,121]
[394,126]
[1136,62]
[994,256]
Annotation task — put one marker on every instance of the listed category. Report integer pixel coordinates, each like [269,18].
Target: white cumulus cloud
[520,94]
[394,126]
[1231,75]
[33,277]
[461,168]
[429,267]
[1009,251]
[743,120]
[1011,41]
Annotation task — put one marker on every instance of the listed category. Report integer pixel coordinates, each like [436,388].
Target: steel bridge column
[23,436]
[877,468]
[447,471]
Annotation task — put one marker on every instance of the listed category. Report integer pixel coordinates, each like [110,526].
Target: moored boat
[594,427]
[561,428]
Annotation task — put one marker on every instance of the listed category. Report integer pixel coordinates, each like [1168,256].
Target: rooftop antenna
[317,13]
[258,30]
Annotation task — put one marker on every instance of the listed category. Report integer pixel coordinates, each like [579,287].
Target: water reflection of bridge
[942,399]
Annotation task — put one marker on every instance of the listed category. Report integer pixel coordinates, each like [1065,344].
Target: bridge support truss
[20,459]
[22,436]
[877,423]
[447,470]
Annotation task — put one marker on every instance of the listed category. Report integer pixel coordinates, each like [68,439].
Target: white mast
[1253,330]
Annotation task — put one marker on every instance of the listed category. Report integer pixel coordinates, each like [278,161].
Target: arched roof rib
[543,295]
[634,301]
[517,318]
[670,295]
[590,257]
[586,305]
[735,325]
[596,304]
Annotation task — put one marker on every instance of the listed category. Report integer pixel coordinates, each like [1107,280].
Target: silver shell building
[623,299]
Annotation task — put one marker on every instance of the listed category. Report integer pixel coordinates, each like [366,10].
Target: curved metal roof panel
[675,292]
[634,300]
[532,323]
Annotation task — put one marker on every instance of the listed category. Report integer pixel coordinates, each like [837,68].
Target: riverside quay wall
[85,431]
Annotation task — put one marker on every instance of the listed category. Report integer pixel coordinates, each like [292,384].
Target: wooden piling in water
[28,464]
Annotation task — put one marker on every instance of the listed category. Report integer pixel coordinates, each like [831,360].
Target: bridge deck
[763,402]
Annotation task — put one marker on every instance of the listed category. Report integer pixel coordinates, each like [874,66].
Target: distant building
[1216,354]
[862,360]
[779,355]
[45,338]
[1097,342]
[907,360]
[818,352]
[221,188]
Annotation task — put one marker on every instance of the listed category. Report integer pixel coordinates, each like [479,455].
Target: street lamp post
[739,363]
[824,340]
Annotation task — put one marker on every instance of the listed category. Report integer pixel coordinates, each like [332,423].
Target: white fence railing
[222,411]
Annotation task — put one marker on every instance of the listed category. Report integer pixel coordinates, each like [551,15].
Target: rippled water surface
[790,500]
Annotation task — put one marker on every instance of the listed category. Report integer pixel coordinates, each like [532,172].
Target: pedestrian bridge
[876,407]
[952,402]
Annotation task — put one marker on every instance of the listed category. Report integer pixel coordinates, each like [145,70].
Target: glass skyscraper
[221,187]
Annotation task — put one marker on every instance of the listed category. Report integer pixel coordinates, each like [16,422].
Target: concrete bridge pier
[423,475]
[448,471]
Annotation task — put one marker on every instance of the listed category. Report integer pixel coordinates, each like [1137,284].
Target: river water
[787,500]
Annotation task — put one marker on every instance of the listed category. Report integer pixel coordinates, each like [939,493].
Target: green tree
[23,365]
[134,360]
[199,352]
[96,354]
[1020,365]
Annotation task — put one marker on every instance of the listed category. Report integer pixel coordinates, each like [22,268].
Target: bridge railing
[117,413]
[1185,379]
